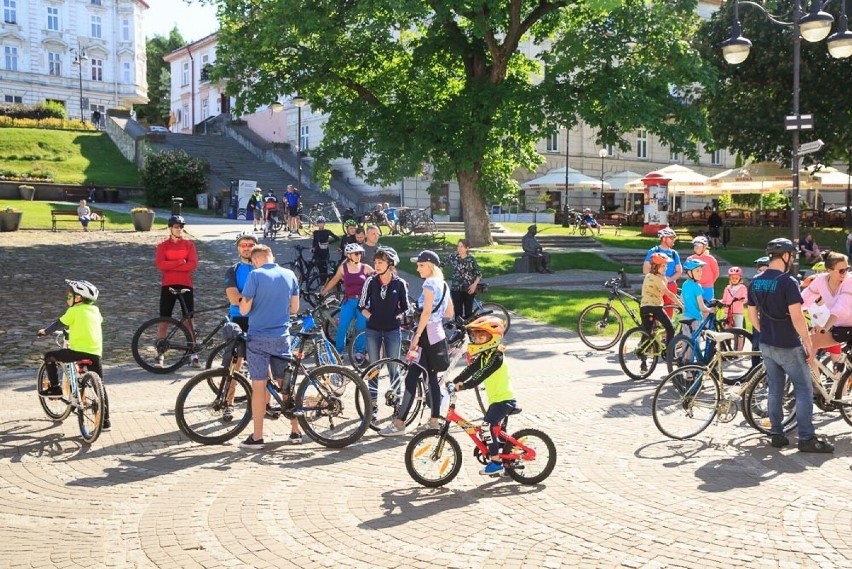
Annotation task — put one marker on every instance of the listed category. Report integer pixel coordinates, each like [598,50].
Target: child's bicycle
[433,457]
[639,351]
[82,391]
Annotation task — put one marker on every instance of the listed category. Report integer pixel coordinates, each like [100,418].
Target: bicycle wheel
[358,363]
[305,224]
[600,326]
[329,328]
[530,467]
[327,403]
[844,394]
[680,352]
[174,346]
[756,404]
[685,402]
[56,408]
[500,312]
[323,352]
[384,380]
[734,369]
[90,413]
[638,353]
[201,415]
[432,460]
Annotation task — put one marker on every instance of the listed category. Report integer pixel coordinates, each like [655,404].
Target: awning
[555,180]
[682,179]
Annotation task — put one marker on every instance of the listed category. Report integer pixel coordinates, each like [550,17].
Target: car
[158,129]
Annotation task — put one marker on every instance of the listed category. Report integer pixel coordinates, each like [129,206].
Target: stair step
[567,241]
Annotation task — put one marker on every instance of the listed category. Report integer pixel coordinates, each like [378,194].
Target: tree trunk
[476,221]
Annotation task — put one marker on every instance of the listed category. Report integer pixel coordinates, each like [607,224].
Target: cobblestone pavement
[621,495]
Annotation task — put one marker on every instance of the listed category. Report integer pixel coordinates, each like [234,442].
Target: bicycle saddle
[719,337]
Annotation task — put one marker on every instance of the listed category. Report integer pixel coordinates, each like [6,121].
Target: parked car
[158,129]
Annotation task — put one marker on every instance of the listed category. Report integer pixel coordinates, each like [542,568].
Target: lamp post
[299,101]
[79,58]
[602,153]
[813,27]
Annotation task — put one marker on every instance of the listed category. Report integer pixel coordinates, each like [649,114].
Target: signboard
[809,147]
[656,208]
[244,192]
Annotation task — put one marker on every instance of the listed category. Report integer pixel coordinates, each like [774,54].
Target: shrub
[173,173]
[45,123]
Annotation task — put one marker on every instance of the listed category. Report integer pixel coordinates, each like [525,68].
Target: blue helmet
[692,264]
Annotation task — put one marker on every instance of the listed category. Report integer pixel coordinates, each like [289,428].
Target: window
[674,157]
[126,75]
[97,69]
[96,26]
[11,58]
[10,11]
[642,144]
[125,29]
[205,109]
[716,158]
[53,19]
[553,142]
[12,99]
[95,2]
[184,76]
[303,137]
[185,117]
[54,64]
[610,149]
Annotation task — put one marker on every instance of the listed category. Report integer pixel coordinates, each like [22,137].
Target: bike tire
[426,470]
[755,406]
[199,413]
[90,413]
[844,392]
[735,369]
[500,312]
[387,397]
[600,326]
[176,347]
[680,352]
[329,398]
[329,328]
[538,441]
[57,408]
[685,402]
[351,352]
[634,353]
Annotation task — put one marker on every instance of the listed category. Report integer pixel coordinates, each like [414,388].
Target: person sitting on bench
[539,259]
[590,222]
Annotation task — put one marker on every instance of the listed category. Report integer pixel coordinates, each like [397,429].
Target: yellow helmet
[819,267]
[491,325]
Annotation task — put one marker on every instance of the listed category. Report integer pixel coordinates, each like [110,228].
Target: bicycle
[273,224]
[177,344]
[433,457]
[411,221]
[639,348]
[481,308]
[325,402]
[601,325]
[82,391]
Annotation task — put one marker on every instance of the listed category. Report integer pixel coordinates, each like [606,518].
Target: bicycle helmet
[245,235]
[390,253]
[700,240]
[660,259]
[692,264]
[819,267]
[779,246]
[762,262]
[320,219]
[83,288]
[352,248]
[735,271]
[177,220]
[350,223]
[666,232]
[427,256]
[491,325]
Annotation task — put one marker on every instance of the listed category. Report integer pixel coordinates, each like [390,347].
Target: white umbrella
[754,178]
[682,180]
[828,178]
[555,179]
[619,180]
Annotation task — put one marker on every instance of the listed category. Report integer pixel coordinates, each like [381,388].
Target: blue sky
[194,20]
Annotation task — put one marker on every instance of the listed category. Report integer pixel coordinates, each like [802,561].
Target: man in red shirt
[176,258]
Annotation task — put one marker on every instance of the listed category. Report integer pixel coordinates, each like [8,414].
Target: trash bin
[202,201]
[177,204]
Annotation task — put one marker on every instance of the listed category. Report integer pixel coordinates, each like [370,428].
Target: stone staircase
[458,227]
[636,258]
[552,241]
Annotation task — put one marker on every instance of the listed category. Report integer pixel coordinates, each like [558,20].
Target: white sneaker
[160,361]
[392,430]
[195,362]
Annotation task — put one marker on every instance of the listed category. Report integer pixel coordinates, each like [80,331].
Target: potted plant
[440,215]
[27,192]
[10,219]
[143,218]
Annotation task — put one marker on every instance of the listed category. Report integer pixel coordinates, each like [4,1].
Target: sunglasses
[842,271]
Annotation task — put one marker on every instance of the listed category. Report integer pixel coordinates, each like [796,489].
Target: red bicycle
[433,457]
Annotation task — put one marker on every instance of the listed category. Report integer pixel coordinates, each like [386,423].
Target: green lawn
[70,157]
[558,308]
[37,215]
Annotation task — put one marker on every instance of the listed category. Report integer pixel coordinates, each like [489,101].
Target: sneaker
[272,412]
[251,444]
[359,358]
[52,391]
[779,441]
[392,430]
[295,438]
[160,361]
[492,469]
[228,414]
[195,362]
[815,445]
[107,426]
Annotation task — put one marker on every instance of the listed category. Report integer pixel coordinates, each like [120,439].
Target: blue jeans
[789,362]
[348,311]
[390,340]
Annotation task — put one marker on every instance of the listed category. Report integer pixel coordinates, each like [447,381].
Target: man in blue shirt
[293,198]
[674,269]
[235,278]
[270,295]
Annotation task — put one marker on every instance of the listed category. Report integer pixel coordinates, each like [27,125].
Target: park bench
[76,193]
[60,215]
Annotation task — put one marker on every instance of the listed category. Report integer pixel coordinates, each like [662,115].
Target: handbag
[437,354]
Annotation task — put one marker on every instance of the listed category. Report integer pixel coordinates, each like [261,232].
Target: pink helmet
[735,271]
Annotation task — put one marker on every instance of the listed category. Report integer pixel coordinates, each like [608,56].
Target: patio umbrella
[755,178]
[619,180]
[555,179]
[682,179]
[826,178]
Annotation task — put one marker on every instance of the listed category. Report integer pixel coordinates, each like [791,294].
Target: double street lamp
[813,27]
[79,58]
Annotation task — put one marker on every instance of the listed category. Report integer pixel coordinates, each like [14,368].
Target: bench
[60,215]
[76,193]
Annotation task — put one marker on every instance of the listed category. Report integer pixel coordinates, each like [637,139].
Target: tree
[411,82]
[751,99]
[156,111]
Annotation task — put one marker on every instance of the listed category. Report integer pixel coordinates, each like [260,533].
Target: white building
[85,54]
[194,98]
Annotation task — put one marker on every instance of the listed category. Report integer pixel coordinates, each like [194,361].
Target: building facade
[88,55]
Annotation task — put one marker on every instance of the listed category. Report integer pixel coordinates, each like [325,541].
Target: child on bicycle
[734,297]
[654,290]
[85,339]
[692,296]
[485,353]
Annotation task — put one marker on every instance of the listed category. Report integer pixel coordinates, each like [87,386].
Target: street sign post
[809,147]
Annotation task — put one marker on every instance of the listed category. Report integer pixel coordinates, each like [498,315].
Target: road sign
[801,122]
[809,147]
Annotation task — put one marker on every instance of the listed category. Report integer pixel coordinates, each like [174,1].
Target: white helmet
[352,248]
[666,232]
[391,253]
[246,235]
[83,288]
[700,240]
[320,219]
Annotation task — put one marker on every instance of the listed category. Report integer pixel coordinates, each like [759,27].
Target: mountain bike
[601,325]
[82,391]
[324,402]
[165,352]
[639,351]
[433,457]
[411,220]
[498,310]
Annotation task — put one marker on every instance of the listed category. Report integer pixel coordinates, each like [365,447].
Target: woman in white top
[84,214]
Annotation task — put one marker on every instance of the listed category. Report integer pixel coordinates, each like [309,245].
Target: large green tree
[751,99]
[468,87]
[156,111]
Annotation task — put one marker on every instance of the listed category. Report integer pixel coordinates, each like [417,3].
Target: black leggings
[462,303]
[66,355]
[651,313]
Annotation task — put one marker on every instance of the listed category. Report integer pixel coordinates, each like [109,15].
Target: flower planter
[27,192]
[10,220]
[440,218]
[142,220]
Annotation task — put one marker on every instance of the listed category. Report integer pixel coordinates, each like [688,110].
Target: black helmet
[176,220]
[779,246]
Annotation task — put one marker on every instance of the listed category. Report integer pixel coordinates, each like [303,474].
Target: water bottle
[485,433]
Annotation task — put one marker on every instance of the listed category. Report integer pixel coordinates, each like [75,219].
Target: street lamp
[602,153]
[813,27]
[299,101]
[79,58]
